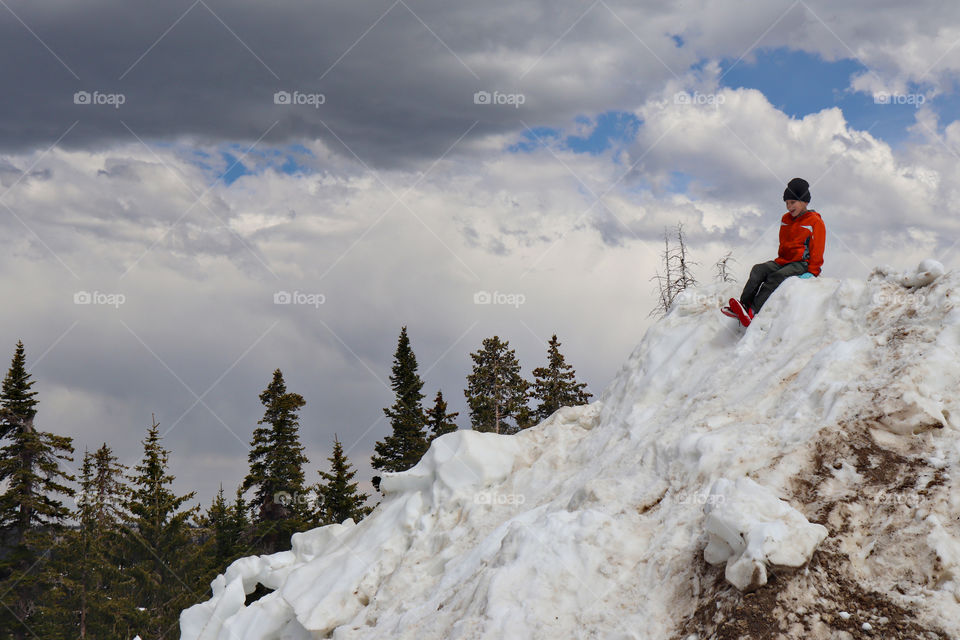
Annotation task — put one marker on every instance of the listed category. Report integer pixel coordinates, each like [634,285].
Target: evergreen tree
[89,596]
[220,520]
[338,498]
[239,523]
[31,513]
[223,534]
[408,442]
[438,420]
[17,401]
[159,555]
[556,384]
[496,392]
[276,469]
[526,417]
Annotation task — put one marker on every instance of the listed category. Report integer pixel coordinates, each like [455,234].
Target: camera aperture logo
[509,99]
[98,297]
[299,297]
[100,99]
[299,98]
[497,297]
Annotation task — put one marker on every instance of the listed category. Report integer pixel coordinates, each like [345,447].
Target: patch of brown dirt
[806,603]
[803,604]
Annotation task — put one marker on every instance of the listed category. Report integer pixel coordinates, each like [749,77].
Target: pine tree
[338,498]
[438,420]
[31,513]
[556,384]
[408,442]
[111,610]
[496,392]
[525,417]
[220,534]
[157,543]
[239,523]
[220,520]
[276,469]
[89,595]
[17,402]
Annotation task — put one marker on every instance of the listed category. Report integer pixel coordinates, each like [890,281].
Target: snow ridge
[595,523]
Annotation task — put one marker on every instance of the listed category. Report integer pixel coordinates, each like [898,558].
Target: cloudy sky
[179,165]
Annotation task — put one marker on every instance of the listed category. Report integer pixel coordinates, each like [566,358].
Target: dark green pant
[764,278]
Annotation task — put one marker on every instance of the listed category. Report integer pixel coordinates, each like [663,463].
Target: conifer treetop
[407,442]
[17,398]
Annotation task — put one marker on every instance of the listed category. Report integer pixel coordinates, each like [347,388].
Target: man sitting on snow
[802,237]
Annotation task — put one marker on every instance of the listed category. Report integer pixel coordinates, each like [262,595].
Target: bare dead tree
[684,274]
[723,268]
[664,285]
[677,267]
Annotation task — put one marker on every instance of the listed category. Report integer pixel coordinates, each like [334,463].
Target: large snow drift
[837,406]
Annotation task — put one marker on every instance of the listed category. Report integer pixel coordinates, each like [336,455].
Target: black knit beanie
[797,189]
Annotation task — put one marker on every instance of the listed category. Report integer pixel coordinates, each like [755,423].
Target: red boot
[743,315]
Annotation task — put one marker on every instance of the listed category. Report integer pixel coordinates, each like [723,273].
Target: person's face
[796,207]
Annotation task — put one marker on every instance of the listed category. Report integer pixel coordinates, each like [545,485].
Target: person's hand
[806,275]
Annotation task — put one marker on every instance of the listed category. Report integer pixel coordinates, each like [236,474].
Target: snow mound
[750,528]
[456,461]
[836,412]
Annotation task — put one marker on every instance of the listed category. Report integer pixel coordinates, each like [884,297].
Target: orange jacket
[802,238]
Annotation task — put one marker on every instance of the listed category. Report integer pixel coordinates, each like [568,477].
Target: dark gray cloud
[398,78]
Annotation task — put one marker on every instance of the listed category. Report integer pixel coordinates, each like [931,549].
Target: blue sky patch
[235,168]
[800,83]
[679,182]
[611,128]
[237,161]
[796,82]
[535,138]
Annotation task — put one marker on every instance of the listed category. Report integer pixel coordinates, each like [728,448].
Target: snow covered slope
[840,399]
